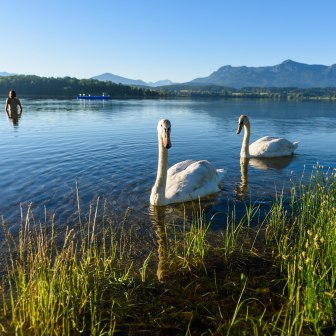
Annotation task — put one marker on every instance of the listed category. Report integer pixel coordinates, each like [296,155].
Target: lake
[110,148]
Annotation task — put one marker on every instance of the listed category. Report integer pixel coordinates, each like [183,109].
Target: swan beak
[240,126]
[166,141]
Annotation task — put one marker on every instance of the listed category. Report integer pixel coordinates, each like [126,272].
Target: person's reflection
[14,121]
[157,215]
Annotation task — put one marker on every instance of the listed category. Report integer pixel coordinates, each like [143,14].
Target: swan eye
[242,121]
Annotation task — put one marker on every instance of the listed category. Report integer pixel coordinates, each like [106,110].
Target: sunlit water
[110,147]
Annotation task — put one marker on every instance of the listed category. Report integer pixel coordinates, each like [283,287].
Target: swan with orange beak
[185,181]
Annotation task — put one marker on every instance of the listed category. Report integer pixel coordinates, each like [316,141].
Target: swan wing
[272,147]
[180,166]
[189,180]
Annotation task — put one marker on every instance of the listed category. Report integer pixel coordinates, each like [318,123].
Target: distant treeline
[69,87]
[184,90]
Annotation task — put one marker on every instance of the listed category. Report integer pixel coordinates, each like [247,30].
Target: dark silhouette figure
[13,108]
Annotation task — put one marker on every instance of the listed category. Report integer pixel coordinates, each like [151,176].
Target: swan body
[266,147]
[185,181]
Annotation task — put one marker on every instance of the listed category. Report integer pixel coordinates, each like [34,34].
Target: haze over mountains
[285,74]
[108,77]
[6,74]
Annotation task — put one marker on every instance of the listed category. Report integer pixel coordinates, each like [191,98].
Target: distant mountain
[160,83]
[3,74]
[109,77]
[286,74]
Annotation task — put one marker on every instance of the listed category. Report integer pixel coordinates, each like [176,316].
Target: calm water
[111,148]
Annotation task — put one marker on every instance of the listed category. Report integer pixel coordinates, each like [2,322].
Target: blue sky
[162,39]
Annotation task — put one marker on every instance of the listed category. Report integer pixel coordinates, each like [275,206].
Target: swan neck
[158,195]
[245,152]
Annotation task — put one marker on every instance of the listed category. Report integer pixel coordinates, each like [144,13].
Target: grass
[265,274]
[306,252]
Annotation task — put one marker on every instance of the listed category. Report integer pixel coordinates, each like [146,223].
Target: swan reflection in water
[241,190]
[276,163]
[157,215]
[166,268]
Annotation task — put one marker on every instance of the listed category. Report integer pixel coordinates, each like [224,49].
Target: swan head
[242,121]
[164,128]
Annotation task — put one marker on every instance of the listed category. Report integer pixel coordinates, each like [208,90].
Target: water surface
[110,147]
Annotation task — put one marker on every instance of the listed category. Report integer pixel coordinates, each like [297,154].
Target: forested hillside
[69,87]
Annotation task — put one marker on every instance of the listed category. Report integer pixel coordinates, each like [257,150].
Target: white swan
[186,180]
[265,146]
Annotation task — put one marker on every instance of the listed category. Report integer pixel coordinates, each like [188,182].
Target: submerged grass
[274,278]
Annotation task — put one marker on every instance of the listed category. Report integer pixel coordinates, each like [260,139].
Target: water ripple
[111,150]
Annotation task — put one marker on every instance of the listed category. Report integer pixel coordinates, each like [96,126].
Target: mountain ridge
[286,74]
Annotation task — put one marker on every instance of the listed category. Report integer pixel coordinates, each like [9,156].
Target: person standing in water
[12,107]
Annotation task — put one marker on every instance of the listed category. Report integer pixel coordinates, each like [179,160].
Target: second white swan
[185,181]
[264,147]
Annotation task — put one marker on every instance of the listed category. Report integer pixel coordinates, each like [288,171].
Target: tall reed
[62,290]
[305,238]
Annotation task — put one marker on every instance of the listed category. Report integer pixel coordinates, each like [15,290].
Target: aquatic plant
[305,239]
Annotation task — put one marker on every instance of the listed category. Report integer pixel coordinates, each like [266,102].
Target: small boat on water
[89,97]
